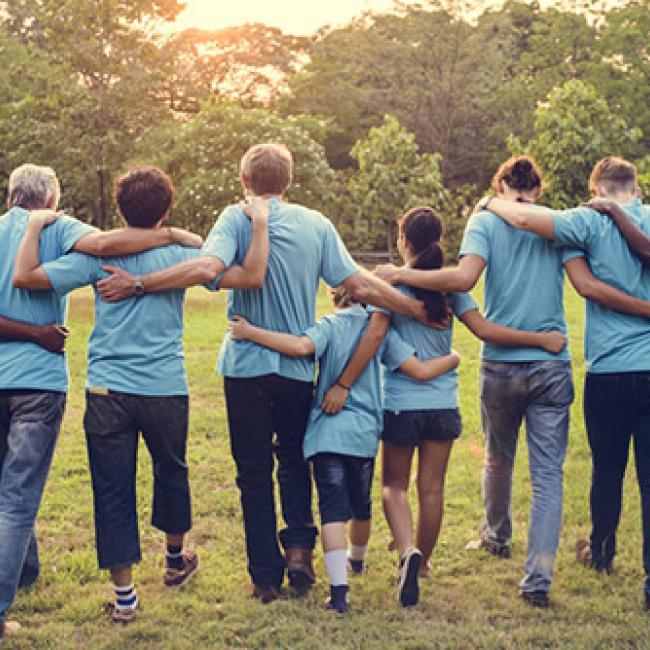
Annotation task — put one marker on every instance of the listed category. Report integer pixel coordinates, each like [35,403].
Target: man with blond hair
[268,394]
[34,377]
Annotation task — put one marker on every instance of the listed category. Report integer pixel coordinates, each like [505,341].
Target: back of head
[519,173]
[33,187]
[144,195]
[612,175]
[422,230]
[267,169]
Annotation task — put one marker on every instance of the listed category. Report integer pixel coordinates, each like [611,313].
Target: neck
[622,198]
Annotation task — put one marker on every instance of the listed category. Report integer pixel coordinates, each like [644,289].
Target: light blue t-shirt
[137,344]
[614,342]
[304,247]
[26,365]
[403,393]
[524,283]
[354,431]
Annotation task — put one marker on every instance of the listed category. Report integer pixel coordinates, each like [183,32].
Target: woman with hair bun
[423,415]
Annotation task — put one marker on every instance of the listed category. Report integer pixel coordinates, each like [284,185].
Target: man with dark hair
[617,348]
[268,394]
[136,382]
[34,377]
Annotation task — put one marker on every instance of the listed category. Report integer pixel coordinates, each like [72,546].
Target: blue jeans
[617,412]
[29,426]
[539,392]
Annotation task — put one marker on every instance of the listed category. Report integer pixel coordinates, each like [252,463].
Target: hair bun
[522,167]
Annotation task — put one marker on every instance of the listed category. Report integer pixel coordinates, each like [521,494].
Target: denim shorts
[411,428]
[343,484]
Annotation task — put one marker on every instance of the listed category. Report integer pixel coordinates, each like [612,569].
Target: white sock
[125,597]
[336,563]
[358,553]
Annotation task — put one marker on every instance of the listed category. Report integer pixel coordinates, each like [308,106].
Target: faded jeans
[29,427]
[539,392]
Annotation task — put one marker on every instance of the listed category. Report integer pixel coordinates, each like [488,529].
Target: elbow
[586,289]
[208,269]
[20,280]
[465,283]
[419,374]
[305,348]
[256,280]
[359,288]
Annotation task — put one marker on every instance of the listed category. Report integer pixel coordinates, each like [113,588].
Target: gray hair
[33,186]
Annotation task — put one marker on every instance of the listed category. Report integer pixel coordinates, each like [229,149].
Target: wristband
[342,385]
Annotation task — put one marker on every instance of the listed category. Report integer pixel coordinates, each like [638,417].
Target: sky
[292,16]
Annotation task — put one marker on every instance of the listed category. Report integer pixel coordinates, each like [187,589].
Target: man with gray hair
[34,377]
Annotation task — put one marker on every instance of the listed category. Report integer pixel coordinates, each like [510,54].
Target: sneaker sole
[409,590]
[187,578]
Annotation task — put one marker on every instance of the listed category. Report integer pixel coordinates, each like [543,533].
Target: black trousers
[113,423]
[267,417]
[617,411]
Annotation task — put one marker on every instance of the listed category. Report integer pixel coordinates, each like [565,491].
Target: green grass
[470,601]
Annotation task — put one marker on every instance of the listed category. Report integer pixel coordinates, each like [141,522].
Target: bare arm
[590,288]
[28,273]
[369,343]
[459,278]
[637,240]
[51,337]
[292,346]
[430,369]
[553,342]
[128,241]
[523,216]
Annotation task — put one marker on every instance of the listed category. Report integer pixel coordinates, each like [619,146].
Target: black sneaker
[356,567]
[537,598]
[408,590]
[338,600]
[498,549]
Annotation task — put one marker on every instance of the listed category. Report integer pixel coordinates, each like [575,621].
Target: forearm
[451,279]
[13,330]
[366,349]
[124,241]
[637,240]
[369,290]
[611,298]
[288,344]
[430,369]
[253,271]
[499,334]
[524,216]
[201,270]
[28,259]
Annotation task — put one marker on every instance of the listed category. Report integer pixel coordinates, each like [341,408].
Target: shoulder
[304,214]
[483,220]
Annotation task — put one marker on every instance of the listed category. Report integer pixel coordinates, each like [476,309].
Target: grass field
[471,600]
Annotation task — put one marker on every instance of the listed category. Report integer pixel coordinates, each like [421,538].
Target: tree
[392,177]
[572,131]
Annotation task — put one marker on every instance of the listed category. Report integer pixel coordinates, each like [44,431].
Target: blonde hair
[267,168]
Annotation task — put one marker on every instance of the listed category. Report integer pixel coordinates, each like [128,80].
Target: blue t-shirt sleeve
[462,303]
[337,264]
[395,351]
[571,253]
[572,228]
[476,240]
[371,309]
[70,231]
[223,240]
[72,271]
[321,335]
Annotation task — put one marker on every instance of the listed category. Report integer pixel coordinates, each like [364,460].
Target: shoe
[299,569]
[265,594]
[537,598]
[356,567]
[408,591]
[8,628]
[123,616]
[179,577]
[497,549]
[584,557]
[338,600]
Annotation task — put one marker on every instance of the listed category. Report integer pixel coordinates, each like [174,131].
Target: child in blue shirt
[343,447]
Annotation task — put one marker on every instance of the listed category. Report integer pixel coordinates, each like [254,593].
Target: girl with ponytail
[422,415]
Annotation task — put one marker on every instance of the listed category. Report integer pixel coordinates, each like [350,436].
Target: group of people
[272,255]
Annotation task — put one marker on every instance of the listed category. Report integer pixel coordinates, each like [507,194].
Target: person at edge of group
[136,381]
[34,378]
[617,345]
[523,289]
[424,416]
[268,394]
[342,447]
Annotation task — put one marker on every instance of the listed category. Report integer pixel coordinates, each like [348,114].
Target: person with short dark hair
[136,384]
[617,346]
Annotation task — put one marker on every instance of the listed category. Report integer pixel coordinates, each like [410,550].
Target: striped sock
[174,557]
[125,597]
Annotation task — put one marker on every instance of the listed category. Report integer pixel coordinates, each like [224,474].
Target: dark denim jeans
[617,410]
[539,392]
[29,427]
[258,408]
[113,423]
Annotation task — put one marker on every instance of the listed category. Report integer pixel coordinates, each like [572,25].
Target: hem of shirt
[231,375]
[308,455]
[611,371]
[92,388]
[36,389]
[424,407]
[530,358]
[344,277]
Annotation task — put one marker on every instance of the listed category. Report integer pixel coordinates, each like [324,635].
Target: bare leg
[333,536]
[432,468]
[396,471]
[359,532]
[174,540]
[122,576]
